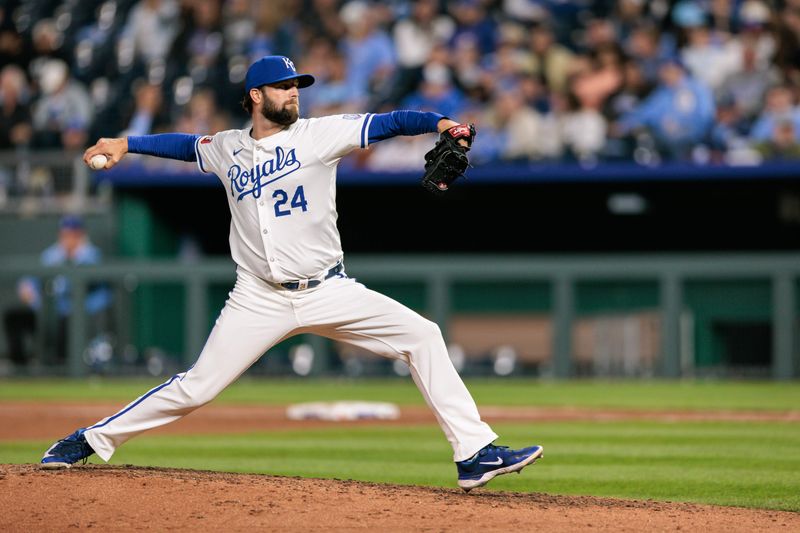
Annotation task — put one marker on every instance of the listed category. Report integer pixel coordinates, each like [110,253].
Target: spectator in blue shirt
[473,22]
[679,113]
[780,108]
[783,145]
[72,248]
[369,52]
[436,92]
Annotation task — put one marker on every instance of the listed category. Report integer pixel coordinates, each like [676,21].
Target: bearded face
[285,114]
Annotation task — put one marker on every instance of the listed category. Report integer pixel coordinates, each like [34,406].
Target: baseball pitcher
[280,181]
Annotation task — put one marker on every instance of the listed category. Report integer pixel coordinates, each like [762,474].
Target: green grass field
[753,464]
[666,395]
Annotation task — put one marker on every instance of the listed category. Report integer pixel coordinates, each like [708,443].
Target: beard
[284,116]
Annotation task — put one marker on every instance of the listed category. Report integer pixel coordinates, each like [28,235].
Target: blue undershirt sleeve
[169,145]
[387,125]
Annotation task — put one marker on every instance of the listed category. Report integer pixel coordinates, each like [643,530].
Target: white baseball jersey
[282,193]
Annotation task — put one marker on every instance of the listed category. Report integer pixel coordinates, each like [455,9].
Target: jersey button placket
[264,219]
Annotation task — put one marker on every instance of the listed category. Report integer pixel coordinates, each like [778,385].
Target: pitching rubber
[469,484]
[54,466]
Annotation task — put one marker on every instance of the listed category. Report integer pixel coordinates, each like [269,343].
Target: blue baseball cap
[71,222]
[672,59]
[272,69]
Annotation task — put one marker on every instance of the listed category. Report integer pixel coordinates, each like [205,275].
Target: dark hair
[247,100]
[247,103]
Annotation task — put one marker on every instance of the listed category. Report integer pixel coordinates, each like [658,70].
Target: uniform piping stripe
[134,404]
[364,127]
[199,157]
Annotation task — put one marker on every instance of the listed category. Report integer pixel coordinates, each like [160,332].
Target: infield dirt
[45,420]
[127,498]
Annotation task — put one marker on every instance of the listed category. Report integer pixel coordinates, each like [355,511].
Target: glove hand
[448,160]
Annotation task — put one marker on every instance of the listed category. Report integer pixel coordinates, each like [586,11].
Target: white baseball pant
[258,315]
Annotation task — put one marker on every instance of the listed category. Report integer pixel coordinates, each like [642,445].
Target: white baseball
[98,161]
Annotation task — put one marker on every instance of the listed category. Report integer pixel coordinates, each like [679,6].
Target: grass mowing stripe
[729,463]
[659,395]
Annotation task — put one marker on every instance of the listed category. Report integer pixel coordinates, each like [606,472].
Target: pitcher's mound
[124,498]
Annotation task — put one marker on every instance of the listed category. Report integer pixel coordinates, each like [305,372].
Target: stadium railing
[439,273]
[49,182]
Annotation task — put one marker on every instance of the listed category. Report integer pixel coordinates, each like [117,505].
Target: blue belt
[310,283]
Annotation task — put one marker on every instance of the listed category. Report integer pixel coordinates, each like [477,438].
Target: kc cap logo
[273,69]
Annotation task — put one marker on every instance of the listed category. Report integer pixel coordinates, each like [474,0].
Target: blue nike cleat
[493,461]
[67,451]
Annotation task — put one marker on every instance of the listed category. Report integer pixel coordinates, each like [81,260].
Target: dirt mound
[125,498]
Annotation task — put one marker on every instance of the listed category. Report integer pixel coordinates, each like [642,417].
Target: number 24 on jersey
[298,201]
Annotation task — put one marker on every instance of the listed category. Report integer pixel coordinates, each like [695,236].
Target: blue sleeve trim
[199,156]
[385,125]
[169,145]
[364,128]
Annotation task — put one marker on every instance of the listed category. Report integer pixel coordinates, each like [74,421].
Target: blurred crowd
[552,80]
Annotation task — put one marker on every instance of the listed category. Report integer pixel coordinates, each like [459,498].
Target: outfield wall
[669,315]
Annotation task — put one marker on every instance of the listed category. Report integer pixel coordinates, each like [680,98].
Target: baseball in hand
[98,161]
